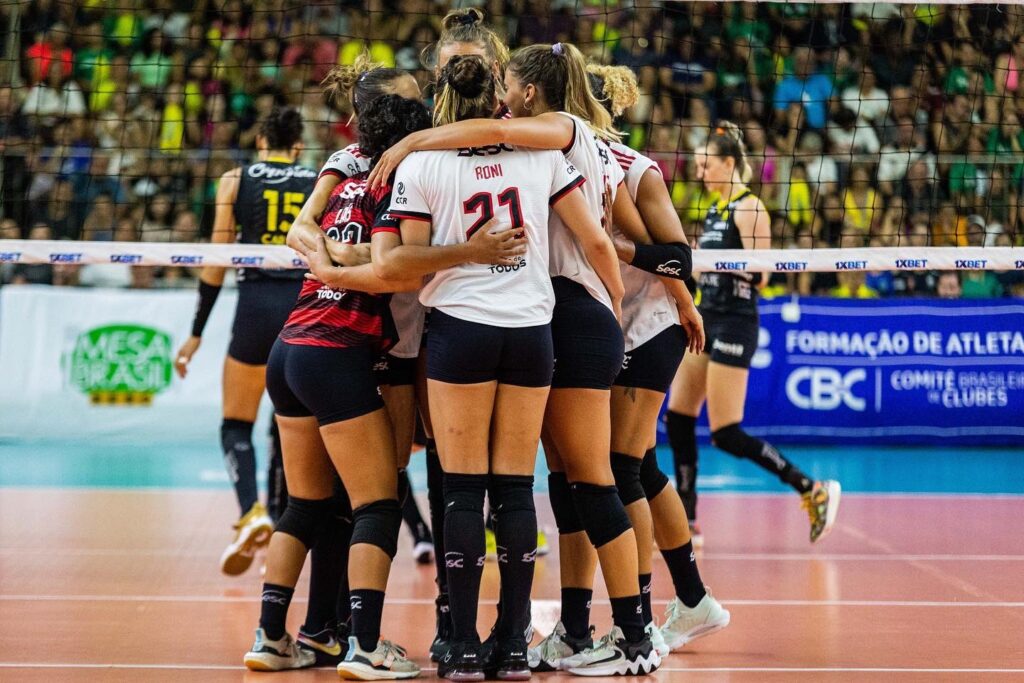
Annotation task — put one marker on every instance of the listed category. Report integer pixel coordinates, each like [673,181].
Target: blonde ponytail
[619,88]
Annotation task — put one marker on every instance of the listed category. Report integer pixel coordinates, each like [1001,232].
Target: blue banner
[900,371]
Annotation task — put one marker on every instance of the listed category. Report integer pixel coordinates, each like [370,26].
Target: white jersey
[346,163]
[494,188]
[647,307]
[594,160]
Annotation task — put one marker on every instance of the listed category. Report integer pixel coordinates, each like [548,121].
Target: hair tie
[467,19]
[720,131]
[557,49]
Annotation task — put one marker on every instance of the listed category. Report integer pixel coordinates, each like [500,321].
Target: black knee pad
[566,518]
[377,523]
[464,492]
[511,493]
[733,440]
[627,477]
[303,518]
[603,513]
[652,478]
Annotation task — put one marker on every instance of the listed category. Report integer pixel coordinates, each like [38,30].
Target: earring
[528,106]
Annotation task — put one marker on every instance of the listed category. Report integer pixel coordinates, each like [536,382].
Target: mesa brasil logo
[121,364]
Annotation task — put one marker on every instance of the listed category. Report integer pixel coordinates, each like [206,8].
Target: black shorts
[731,339]
[393,371]
[588,340]
[331,383]
[653,364]
[463,352]
[263,308]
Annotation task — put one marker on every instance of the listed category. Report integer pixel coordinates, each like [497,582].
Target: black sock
[464,549]
[576,611]
[277,487]
[682,565]
[792,475]
[328,571]
[410,510]
[240,460]
[435,496]
[734,441]
[682,436]
[645,599]
[627,615]
[515,531]
[367,607]
[274,609]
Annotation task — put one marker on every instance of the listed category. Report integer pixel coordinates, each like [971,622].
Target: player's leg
[686,397]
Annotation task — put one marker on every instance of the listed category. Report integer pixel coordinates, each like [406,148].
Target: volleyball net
[881,136]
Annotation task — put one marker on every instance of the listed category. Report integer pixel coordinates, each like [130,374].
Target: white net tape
[708,260]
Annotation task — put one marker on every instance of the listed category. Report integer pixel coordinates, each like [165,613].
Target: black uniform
[728,302]
[270,195]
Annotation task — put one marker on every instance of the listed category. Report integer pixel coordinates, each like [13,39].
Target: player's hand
[348,254]
[497,248]
[693,324]
[387,164]
[321,267]
[606,217]
[184,355]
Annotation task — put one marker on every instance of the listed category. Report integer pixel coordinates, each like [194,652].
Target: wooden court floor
[123,585]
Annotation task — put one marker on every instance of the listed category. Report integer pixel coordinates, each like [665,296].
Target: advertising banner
[98,364]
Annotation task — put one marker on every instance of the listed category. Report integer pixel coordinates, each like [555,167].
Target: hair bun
[467,75]
[462,17]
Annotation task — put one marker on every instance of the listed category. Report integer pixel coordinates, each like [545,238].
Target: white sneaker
[685,624]
[277,655]
[696,536]
[423,551]
[657,640]
[387,662]
[613,656]
[550,652]
[253,532]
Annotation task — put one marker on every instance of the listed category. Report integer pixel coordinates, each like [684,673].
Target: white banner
[97,364]
[705,260]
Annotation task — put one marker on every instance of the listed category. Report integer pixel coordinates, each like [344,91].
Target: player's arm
[304,231]
[546,131]
[407,251]
[211,278]
[755,228]
[359,278]
[597,245]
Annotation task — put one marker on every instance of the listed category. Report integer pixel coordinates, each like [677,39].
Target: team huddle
[502,266]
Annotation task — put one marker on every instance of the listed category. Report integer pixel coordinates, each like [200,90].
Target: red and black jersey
[325,316]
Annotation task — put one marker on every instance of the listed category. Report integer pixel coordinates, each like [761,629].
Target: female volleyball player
[490,351]
[728,303]
[322,382]
[255,205]
[361,83]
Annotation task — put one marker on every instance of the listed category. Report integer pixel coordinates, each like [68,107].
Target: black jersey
[725,292]
[270,195]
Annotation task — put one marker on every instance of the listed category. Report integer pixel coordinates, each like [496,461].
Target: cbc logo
[813,388]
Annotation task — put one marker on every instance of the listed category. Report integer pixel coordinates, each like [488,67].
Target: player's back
[491,188]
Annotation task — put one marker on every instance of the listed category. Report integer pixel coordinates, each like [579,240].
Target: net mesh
[867,124]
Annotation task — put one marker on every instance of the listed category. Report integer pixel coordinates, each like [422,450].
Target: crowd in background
[867,124]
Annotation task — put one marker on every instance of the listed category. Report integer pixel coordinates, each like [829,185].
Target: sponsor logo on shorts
[851,265]
[727,348]
[331,294]
[75,257]
[121,364]
[790,266]
[10,256]
[240,261]
[130,259]
[1019,265]
[912,263]
[299,263]
[731,265]
[970,264]
[186,260]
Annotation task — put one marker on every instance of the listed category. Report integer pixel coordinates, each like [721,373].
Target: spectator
[862,205]
[1009,68]
[869,102]
[100,224]
[895,159]
[764,163]
[948,285]
[61,220]
[51,49]
[56,96]
[848,140]
[35,273]
[156,224]
[919,191]
[979,284]
[822,170]
[683,75]
[948,226]
[852,285]
[152,64]
[805,87]
[799,207]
